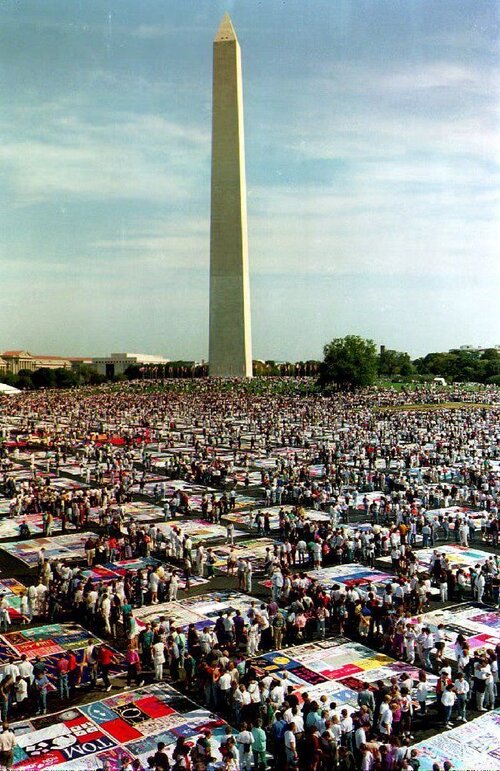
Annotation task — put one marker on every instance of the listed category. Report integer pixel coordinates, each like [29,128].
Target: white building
[117,363]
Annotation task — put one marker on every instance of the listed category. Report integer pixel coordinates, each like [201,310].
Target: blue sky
[372,139]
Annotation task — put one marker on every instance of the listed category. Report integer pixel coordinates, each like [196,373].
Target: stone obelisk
[230,344]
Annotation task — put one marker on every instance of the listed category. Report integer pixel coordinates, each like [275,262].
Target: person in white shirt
[359,737]
[298,720]
[154,581]
[462,689]
[290,746]
[448,699]
[335,729]
[244,740]
[224,685]
[409,643]
[277,693]
[4,615]
[12,670]
[489,693]
[106,613]
[427,646]
[385,717]
[367,760]
[346,727]
[7,743]
[25,668]
[158,651]
[21,691]
[481,672]
[480,584]
[173,587]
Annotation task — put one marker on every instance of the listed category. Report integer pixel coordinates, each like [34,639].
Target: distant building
[15,361]
[476,348]
[51,362]
[18,360]
[117,363]
[79,361]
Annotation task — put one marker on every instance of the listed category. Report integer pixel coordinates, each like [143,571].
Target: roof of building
[45,356]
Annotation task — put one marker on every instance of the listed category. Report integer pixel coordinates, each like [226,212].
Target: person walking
[106,658]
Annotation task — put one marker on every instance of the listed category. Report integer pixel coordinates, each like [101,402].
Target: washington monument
[230,344]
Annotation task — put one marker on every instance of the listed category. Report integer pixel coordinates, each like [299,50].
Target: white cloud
[121,155]
[368,232]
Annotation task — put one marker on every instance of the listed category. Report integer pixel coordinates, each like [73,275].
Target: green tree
[394,363]
[24,381]
[490,364]
[349,362]
[44,378]
[9,379]
[65,378]
[133,372]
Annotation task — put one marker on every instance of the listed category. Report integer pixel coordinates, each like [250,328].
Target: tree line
[353,362]
[349,362]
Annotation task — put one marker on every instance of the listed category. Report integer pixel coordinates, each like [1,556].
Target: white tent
[7,389]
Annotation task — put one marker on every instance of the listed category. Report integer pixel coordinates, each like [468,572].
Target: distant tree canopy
[462,366]
[392,363]
[350,362]
[44,377]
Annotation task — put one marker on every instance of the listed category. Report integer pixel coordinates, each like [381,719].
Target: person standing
[259,745]
[90,661]
[292,757]
[245,740]
[42,684]
[7,744]
[248,576]
[448,698]
[158,651]
[133,666]
[462,689]
[62,667]
[278,625]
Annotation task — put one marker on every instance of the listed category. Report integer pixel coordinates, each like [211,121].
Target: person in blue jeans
[426,532]
[462,689]
[448,699]
[63,677]
[42,684]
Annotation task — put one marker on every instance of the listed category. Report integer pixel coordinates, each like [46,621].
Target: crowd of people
[386,482]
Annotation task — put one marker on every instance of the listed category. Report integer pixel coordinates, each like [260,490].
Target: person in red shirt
[62,667]
[112,548]
[74,671]
[106,657]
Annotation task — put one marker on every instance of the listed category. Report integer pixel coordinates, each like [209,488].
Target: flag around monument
[230,343]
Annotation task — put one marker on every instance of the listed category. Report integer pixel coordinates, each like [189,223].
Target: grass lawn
[433,407]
